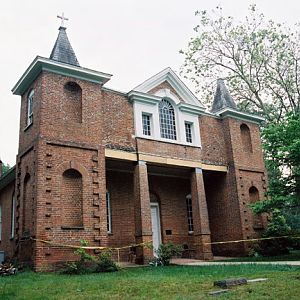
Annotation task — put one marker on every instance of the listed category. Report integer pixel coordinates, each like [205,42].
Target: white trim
[228,112]
[156,205]
[151,107]
[30,99]
[108,212]
[41,63]
[170,76]
[13,207]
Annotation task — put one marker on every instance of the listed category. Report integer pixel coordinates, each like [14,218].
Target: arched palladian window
[246,138]
[30,107]
[167,120]
[71,198]
[73,103]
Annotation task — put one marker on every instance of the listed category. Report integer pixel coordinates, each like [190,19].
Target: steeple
[222,98]
[62,50]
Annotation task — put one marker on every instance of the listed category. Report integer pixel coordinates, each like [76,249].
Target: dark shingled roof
[62,50]
[222,98]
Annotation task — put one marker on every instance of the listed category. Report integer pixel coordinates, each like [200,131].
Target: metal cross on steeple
[63,18]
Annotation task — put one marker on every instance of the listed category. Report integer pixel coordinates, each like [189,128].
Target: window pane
[167,120]
[30,108]
[188,132]
[189,213]
[146,124]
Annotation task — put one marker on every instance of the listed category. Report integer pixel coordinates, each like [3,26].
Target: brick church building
[115,169]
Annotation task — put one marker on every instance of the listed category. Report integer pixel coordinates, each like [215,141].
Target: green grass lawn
[294,255]
[173,282]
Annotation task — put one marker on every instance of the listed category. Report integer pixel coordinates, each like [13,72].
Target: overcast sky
[131,39]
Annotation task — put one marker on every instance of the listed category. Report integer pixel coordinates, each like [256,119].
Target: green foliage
[80,266]
[258,57]
[277,227]
[105,262]
[83,254]
[5,168]
[282,149]
[164,253]
[88,263]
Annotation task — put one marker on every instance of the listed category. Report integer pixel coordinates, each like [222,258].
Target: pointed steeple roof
[222,98]
[62,50]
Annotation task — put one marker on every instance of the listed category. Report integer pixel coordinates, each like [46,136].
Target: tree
[5,168]
[282,148]
[258,58]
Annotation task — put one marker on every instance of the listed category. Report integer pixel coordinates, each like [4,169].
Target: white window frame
[30,108]
[13,207]
[108,213]
[167,121]
[191,132]
[150,121]
[181,117]
[189,210]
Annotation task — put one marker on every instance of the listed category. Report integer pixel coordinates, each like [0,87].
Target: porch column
[143,227]
[200,217]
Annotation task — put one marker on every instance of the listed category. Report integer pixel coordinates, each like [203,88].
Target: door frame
[156,205]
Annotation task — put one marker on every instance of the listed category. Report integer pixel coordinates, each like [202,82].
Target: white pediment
[175,82]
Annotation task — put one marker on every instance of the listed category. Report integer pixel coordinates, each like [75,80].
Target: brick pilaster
[143,227]
[200,216]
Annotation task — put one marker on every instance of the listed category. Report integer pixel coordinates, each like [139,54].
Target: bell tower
[60,184]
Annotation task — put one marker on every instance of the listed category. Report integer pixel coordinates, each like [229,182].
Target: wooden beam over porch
[133,156]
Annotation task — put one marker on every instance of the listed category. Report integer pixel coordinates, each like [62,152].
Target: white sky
[131,39]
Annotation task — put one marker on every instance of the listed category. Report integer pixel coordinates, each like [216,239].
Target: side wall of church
[7,243]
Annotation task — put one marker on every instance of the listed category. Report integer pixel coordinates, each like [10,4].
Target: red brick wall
[71,197]
[165,85]
[168,149]
[58,141]
[7,244]
[172,193]
[213,141]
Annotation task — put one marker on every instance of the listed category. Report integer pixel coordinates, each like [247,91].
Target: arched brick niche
[27,204]
[246,138]
[72,104]
[253,198]
[72,198]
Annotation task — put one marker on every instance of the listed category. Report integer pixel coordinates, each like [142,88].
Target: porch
[150,202]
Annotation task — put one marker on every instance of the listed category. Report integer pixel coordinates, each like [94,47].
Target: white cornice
[143,97]
[228,112]
[170,76]
[40,63]
[192,109]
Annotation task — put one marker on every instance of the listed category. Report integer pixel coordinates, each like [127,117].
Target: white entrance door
[156,236]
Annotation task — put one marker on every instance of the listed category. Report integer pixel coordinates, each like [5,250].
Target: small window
[108,213]
[30,108]
[167,120]
[146,119]
[189,213]
[188,132]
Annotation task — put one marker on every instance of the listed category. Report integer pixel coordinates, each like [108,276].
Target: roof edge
[8,177]
[41,63]
[228,112]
